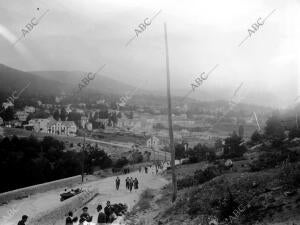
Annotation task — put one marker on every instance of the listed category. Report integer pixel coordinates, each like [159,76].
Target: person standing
[107,211]
[101,216]
[130,183]
[117,183]
[136,184]
[23,220]
[127,183]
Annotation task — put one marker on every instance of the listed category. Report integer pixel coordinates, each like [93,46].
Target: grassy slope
[263,191]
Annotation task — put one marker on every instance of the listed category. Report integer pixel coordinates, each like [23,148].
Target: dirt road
[108,191]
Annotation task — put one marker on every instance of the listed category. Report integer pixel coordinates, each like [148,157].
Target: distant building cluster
[52,126]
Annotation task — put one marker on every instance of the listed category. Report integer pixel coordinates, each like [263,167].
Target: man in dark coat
[107,211]
[117,183]
[130,184]
[136,184]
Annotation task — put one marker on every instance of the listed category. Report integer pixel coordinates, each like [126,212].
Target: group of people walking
[130,183]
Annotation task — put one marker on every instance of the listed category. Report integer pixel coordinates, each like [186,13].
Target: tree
[256,137]
[200,153]
[38,114]
[294,132]
[232,146]
[63,114]
[179,151]
[274,128]
[218,144]
[56,115]
[241,131]
[8,114]
[137,157]
[30,161]
[121,162]
[74,116]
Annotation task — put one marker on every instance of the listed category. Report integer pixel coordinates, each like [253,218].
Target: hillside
[101,83]
[13,79]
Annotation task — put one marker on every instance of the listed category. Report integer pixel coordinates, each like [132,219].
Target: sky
[83,35]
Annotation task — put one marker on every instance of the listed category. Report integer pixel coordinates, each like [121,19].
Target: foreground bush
[290,175]
[272,159]
[121,162]
[29,161]
[199,177]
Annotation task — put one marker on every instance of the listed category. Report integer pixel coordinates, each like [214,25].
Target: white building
[22,115]
[51,126]
[29,109]
[62,128]
[40,125]
[89,126]
[153,142]
[83,121]
[104,122]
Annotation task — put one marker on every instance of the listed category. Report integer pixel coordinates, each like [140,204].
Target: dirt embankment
[261,198]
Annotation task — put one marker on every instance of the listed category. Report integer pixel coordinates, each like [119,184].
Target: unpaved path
[46,201]
[107,191]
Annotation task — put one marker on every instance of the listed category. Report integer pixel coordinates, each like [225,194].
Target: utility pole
[165,155]
[83,158]
[174,182]
[256,121]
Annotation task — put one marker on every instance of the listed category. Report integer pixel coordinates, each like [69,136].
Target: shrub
[227,206]
[179,151]
[137,157]
[294,132]
[290,174]
[256,137]
[185,182]
[200,153]
[272,159]
[199,177]
[121,162]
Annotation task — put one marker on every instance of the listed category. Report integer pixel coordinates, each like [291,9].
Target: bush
[137,157]
[272,159]
[185,182]
[179,151]
[294,133]
[121,162]
[199,177]
[200,153]
[290,175]
[256,137]
[227,206]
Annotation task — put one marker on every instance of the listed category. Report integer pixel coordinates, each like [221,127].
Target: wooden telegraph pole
[174,182]
[297,120]
[83,158]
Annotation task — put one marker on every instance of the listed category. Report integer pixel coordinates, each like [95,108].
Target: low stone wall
[39,188]
[51,216]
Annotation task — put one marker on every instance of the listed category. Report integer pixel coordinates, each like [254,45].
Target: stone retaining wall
[39,188]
